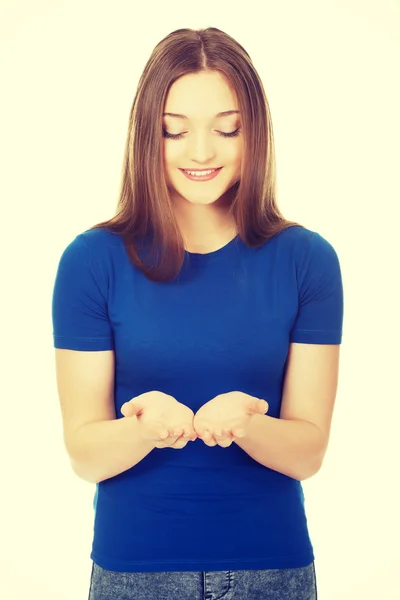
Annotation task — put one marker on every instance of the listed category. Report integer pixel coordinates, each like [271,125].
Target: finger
[258,406]
[210,442]
[128,410]
[208,439]
[221,438]
[175,432]
[226,439]
[237,432]
[132,407]
[179,443]
[186,432]
[224,434]
[228,433]
[225,442]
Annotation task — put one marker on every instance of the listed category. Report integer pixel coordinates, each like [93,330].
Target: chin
[205,200]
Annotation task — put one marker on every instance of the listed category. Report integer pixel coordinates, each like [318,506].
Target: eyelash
[178,136]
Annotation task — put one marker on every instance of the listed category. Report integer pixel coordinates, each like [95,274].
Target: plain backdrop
[69,72]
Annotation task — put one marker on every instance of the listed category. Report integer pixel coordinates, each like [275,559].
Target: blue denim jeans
[270,584]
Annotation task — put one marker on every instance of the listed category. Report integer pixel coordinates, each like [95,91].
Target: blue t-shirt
[224,324]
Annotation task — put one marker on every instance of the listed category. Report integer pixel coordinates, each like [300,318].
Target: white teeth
[196,174]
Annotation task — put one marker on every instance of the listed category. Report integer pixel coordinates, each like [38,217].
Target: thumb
[131,408]
[258,406]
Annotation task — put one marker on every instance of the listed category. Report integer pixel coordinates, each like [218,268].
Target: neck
[202,223]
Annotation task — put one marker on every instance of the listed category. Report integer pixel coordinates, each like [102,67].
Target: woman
[187,317]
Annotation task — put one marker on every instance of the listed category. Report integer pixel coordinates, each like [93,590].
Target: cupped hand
[227,417]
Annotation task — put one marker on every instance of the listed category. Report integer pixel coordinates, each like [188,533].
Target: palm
[226,416]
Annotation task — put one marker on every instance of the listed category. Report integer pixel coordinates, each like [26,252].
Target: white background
[69,72]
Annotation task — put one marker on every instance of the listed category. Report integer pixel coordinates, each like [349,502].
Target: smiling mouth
[202,175]
[201,170]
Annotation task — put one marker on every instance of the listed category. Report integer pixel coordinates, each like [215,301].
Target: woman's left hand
[226,417]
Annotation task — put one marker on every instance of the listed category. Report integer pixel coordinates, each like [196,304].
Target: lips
[200,176]
[201,170]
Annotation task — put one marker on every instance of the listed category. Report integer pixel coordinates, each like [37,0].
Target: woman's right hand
[163,419]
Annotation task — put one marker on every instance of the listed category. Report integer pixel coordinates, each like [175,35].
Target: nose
[201,150]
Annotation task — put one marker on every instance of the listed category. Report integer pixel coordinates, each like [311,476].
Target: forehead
[201,96]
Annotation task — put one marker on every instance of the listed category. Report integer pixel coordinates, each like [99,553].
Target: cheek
[169,152]
[234,156]
[173,157]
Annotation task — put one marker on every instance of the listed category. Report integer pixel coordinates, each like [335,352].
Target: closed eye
[178,136]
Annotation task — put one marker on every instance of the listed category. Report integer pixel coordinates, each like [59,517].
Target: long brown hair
[144,208]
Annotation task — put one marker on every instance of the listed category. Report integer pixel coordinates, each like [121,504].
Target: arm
[103,449]
[99,445]
[296,443]
[292,447]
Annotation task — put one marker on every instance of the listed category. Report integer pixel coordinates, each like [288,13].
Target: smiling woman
[234,305]
[212,114]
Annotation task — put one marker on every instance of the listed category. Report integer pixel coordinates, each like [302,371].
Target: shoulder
[306,244]
[303,237]
[90,256]
[97,239]
[92,245]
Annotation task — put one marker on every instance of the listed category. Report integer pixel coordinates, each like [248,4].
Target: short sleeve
[79,301]
[320,315]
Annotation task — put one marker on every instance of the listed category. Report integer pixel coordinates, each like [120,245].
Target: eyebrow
[225,113]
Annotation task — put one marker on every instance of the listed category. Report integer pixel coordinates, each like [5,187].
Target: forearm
[292,447]
[103,449]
